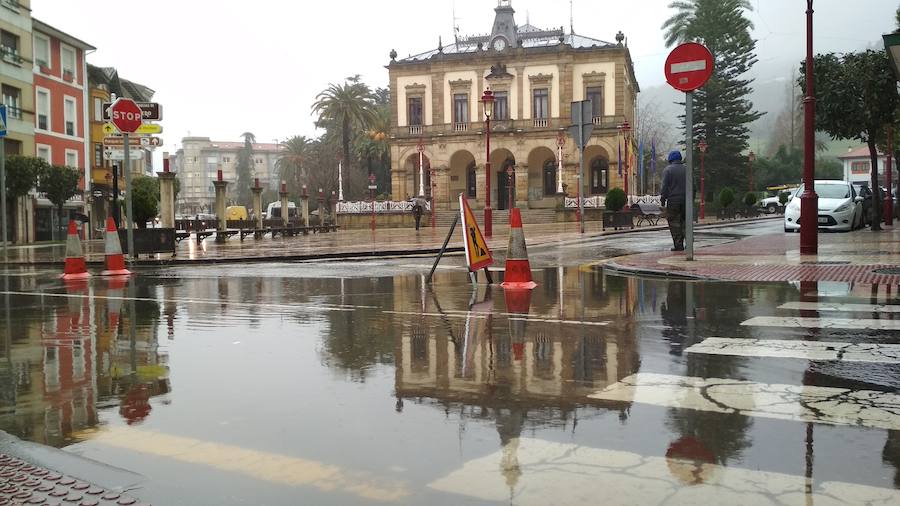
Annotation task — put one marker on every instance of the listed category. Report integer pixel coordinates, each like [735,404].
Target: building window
[72,158]
[461,108]
[68,61]
[98,109]
[41,51]
[471,183]
[599,175]
[415,111]
[12,147]
[70,116]
[501,105]
[9,46]
[43,109]
[12,97]
[43,152]
[859,167]
[595,95]
[98,154]
[541,101]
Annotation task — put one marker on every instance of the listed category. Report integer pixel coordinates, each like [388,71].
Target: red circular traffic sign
[125,115]
[689,66]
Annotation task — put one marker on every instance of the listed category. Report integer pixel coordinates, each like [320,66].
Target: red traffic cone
[75,267]
[115,261]
[518,270]
[518,302]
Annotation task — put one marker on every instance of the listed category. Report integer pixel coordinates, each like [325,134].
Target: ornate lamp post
[340,177]
[372,193]
[510,172]
[560,142]
[421,149]
[809,201]
[626,129]
[488,101]
[702,146]
[433,187]
[751,157]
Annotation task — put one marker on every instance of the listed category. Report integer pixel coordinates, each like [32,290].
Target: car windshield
[833,191]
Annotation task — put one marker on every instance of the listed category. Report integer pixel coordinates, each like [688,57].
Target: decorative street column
[560,142]
[166,195]
[220,186]
[340,177]
[809,201]
[304,206]
[257,203]
[421,149]
[284,204]
[321,208]
[332,208]
[488,103]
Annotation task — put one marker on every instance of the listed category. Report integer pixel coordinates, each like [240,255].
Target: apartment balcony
[415,129]
[601,124]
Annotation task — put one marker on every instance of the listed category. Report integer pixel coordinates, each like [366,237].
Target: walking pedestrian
[417,212]
[672,197]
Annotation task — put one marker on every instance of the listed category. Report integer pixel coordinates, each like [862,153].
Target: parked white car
[840,208]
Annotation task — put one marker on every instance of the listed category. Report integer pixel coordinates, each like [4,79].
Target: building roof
[257,146]
[530,36]
[121,87]
[39,26]
[860,152]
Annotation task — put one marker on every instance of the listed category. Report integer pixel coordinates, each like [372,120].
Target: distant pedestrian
[417,212]
[672,197]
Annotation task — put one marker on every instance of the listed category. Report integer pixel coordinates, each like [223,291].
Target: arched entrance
[542,167]
[463,177]
[598,172]
[412,171]
[501,160]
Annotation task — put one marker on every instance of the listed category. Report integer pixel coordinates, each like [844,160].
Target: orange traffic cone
[115,261]
[518,270]
[75,265]
[518,302]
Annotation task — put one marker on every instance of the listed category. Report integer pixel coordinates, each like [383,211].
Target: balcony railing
[13,111]
[460,127]
[415,130]
[541,122]
[514,125]
[598,120]
[10,55]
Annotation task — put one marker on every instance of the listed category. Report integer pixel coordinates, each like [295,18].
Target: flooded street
[268,387]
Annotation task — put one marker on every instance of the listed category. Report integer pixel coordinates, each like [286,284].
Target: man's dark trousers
[675,218]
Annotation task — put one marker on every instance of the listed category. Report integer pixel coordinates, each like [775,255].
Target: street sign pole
[581,130]
[128,198]
[581,192]
[689,176]
[3,192]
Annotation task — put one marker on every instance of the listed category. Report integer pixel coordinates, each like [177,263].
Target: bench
[647,213]
[180,236]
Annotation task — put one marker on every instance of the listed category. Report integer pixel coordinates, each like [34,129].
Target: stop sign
[689,66]
[125,114]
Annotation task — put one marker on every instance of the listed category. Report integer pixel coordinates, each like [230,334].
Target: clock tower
[503,34]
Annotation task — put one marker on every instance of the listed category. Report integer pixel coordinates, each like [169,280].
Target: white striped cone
[518,269]
[75,267]
[115,261]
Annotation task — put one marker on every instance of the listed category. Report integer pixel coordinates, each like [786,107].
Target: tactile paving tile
[23,484]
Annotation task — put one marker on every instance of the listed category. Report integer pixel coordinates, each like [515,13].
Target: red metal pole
[372,193]
[627,167]
[488,213]
[578,199]
[888,166]
[809,201]
[702,192]
[433,204]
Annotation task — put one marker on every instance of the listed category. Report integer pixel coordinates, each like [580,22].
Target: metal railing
[381,207]
[541,122]
[460,127]
[511,125]
[415,130]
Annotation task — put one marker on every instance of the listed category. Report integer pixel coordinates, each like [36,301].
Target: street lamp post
[488,101]
[560,142]
[510,172]
[809,201]
[751,157]
[340,177]
[626,129]
[433,183]
[702,146]
[421,149]
[372,194]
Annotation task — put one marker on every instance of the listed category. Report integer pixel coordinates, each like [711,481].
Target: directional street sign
[2,120]
[109,129]
[142,141]
[150,111]
[119,154]
[689,66]
[478,255]
[149,128]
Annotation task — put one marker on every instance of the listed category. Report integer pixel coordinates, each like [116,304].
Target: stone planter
[618,219]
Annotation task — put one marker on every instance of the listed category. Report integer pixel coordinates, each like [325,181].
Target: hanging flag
[619,142]
[641,161]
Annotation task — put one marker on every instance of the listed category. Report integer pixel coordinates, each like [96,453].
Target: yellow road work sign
[478,255]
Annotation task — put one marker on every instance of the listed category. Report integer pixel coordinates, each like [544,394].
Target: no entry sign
[689,66]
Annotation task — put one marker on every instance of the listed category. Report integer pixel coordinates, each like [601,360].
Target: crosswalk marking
[836,406]
[531,471]
[808,350]
[847,308]
[822,323]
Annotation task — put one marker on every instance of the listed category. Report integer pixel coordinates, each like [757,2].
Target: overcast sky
[224,67]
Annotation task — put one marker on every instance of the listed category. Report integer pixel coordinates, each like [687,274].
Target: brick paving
[855,256]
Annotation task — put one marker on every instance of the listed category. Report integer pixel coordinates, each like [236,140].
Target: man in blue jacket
[672,197]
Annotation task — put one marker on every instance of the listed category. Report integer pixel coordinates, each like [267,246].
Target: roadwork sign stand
[478,255]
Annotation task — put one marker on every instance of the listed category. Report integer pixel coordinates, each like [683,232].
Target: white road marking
[822,323]
[808,350]
[829,405]
[509,316]
[847,308]
[535,472]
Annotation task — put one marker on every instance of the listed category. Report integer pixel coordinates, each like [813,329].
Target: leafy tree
[21,176]
[144,199]
[615,199]
[244,169]
[856,96]
[726,197]
[722,110]
[373,149]
[750,199]
[345,110]
[59,183]
[291,159]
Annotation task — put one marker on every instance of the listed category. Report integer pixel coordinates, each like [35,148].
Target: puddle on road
[381,389]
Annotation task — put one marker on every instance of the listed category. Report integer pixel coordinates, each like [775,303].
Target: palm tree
[244,168]
[373,147]
[349,107]
[295,151]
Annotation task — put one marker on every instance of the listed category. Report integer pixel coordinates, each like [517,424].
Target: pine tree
[244,169]
[722,110]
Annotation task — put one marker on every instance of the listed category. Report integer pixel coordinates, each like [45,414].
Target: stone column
[332,208]
[257,203]
[220,200]
[284,204]
[522,186]
[166,199]
[321,207]
[304,207]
